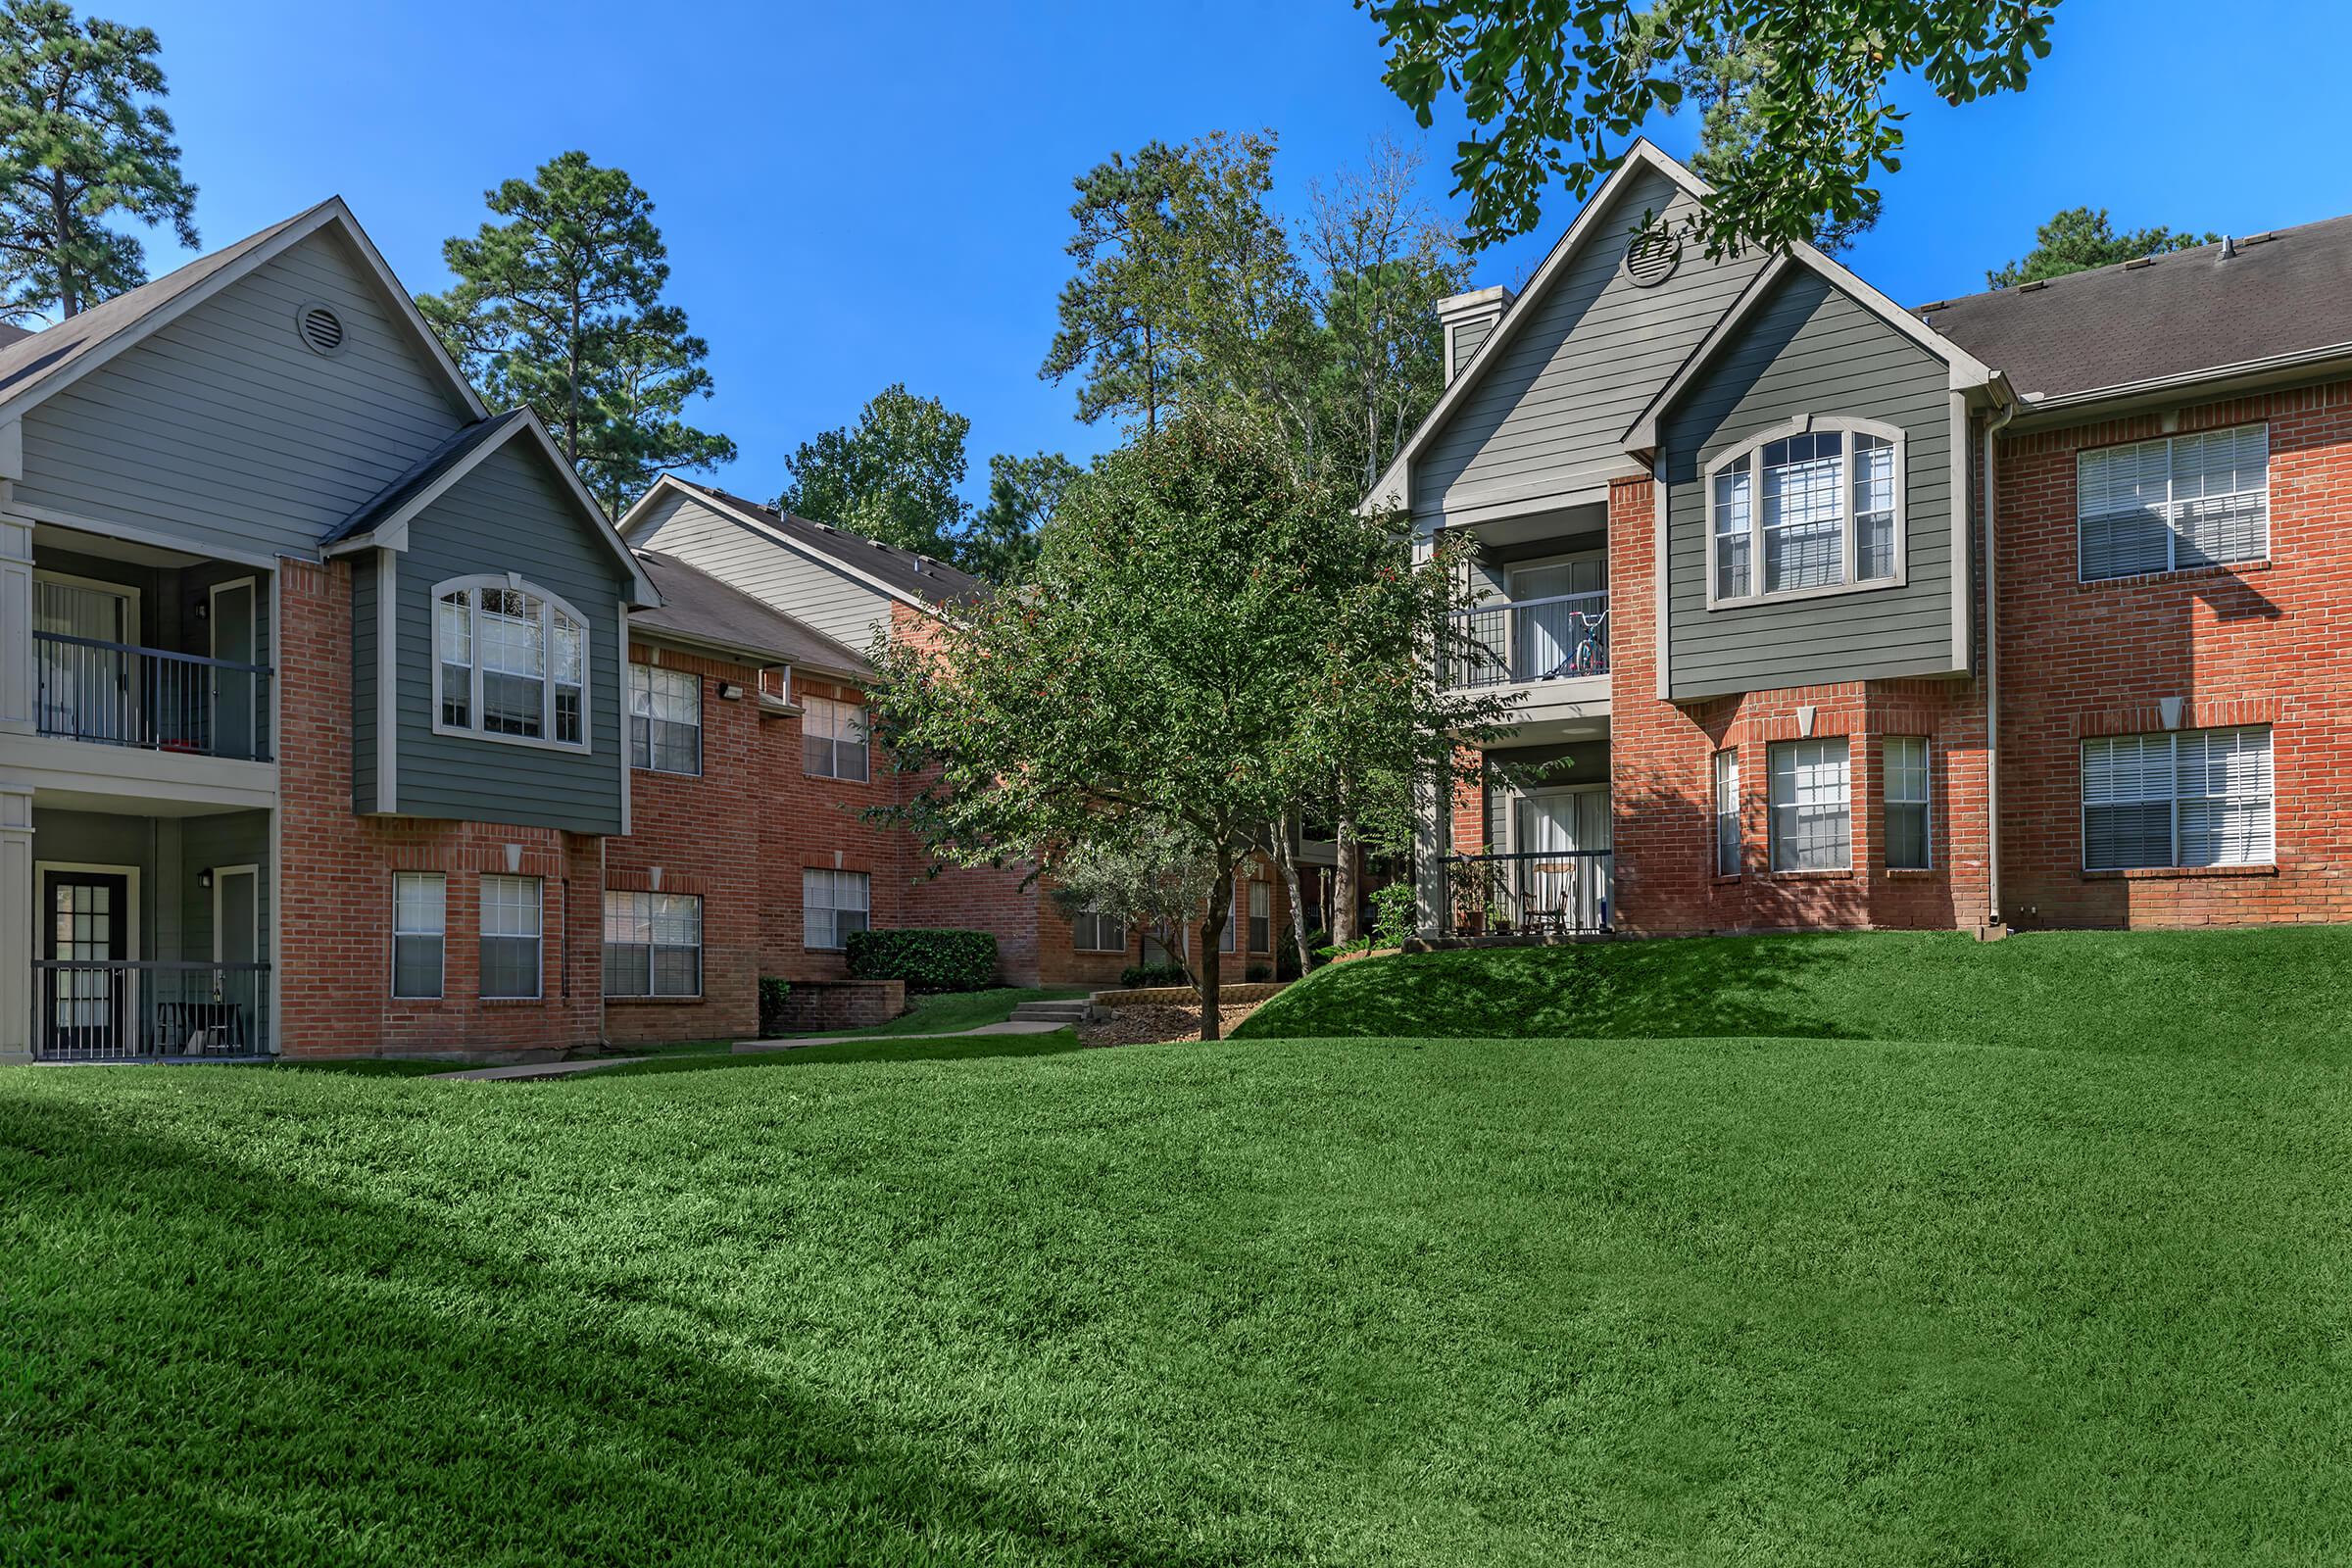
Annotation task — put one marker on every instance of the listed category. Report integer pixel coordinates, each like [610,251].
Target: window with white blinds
[1812,806]
[832,739]
[2178,502]
[2189,798]
[1813,507]
[833,903]
[652,945]
[666,719]
[1726,813]
[1092,931]
[1905,788]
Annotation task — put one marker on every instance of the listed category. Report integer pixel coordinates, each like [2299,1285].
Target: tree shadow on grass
[218,1362]
[879,1050]
[1751,987]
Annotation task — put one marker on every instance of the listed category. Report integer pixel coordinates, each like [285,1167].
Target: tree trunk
[1288,864]
[1344,895]
[1212,935]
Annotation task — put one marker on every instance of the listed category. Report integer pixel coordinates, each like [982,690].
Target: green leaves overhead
[1556,89]
[560,307]
[81,138]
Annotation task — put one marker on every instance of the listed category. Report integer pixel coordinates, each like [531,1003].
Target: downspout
[1992,668]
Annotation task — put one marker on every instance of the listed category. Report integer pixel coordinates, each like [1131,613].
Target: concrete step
[1073,1010]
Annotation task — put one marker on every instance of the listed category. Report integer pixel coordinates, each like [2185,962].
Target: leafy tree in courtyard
[560,307]
[2079,239]
[1554,89]
[893,476]
[1148,678]
[1151,875]
[81,137]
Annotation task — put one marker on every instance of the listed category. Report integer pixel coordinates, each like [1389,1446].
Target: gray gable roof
[918,576]
[450,455]
[2285,293]
[29,360]
[698,608]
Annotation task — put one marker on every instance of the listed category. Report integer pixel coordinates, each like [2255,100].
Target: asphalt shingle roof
[427,469]
[2287,292]
[700,607]
[933,581]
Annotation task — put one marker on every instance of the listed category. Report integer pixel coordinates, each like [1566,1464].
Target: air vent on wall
[1652,257]
[321,328]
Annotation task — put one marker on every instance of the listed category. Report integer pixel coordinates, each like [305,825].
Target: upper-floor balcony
[1518,642]
[143,672]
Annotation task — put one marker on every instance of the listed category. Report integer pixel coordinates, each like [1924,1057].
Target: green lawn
[2276,991]
[1834,1301]
[940,1013]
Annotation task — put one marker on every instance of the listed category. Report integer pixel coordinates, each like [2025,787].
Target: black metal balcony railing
[1536,892]
[1513,642]
[117,1009]
[120,695]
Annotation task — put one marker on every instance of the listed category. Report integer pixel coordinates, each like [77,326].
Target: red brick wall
[701,836]
[334,887]
[2249,644]
[823,1005]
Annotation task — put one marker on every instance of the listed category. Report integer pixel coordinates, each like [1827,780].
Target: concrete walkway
[740,1047]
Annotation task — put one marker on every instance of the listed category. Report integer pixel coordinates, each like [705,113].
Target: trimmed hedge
[773,990]
[927,960]
[1146,976]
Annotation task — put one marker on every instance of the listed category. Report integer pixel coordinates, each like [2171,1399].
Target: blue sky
[856,195]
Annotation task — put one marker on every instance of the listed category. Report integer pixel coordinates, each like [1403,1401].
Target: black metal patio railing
[120,1009]
[1530,892]
[116,693]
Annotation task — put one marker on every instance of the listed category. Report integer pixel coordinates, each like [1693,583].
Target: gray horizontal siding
[1811,349]
[223,429]
[509,514]
[810,592]
[1549,410]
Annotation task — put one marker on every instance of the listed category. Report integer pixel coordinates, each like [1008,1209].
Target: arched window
[1814,506]
[510,662]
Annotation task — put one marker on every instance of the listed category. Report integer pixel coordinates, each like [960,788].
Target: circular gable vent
[321,328]
[1652,257]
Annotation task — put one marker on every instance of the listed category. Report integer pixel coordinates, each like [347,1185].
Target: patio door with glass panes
[1557,634]
[1564,883]
[85,934]
[82,673]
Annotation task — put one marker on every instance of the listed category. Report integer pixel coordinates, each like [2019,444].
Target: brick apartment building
[1816,612]
[337,719]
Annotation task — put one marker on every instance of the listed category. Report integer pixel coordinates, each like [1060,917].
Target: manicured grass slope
[2279,990]
[1339,1301]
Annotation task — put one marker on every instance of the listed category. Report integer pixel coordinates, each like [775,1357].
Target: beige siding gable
[812,593]
[1548,413]
[223,429]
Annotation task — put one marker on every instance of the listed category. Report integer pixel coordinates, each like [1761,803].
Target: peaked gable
[209,422]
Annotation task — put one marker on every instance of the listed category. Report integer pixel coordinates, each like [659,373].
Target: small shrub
[773,989]
[927,960]
[1144,976]
[1394,913]
[1286,958]
[1259,974]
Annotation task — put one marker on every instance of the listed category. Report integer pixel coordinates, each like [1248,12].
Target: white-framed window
[1905,795]
[509,935]
[511,664]
[833,739]
[1812,806]
[666,719]
[1261,918]
[1814,506]
[1092,931]
[2184,798]
[420,933]
[2177,501]
[1727,813]
[833,903]
[1230,939]
[652,945]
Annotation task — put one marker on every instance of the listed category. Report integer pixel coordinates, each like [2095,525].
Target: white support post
[16,625]
[16,922]
[1433,841]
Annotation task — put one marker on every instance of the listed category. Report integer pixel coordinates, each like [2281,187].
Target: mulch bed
[1143,1026]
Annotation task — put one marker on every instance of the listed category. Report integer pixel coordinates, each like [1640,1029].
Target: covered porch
[149,933]
[1532,849]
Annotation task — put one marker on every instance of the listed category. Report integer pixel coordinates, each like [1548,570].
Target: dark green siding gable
[510,514]
[1810,348]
